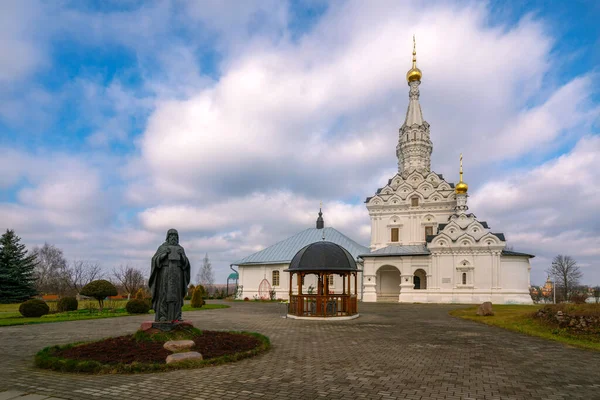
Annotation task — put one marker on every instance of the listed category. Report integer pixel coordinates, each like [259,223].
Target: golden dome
[461,187]
[414,74]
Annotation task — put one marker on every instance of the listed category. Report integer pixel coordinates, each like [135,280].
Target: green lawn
[9,313]
[83,304]
[518,318]
[11,318]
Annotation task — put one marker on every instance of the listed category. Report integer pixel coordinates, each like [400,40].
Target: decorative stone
[178,346]
[485,309]
[189,355]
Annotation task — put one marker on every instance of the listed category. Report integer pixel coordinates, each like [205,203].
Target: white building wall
[444,278]
[252,275]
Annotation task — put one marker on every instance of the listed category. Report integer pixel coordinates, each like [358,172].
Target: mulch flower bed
[126,350]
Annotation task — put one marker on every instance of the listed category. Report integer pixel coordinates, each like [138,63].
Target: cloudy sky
[232,120]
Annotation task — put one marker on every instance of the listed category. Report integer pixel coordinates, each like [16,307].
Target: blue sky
[232,120]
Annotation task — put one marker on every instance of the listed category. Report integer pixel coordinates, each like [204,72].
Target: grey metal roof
[284,251]
[322,256]
[516,253]
[398,250]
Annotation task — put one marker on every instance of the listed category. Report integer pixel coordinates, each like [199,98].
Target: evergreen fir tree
[16,270]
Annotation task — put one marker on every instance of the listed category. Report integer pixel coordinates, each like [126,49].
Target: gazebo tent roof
[283,252]
[323,256]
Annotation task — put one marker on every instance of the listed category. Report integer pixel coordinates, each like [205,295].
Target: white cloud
[240,159]
[21,53]
[551,209]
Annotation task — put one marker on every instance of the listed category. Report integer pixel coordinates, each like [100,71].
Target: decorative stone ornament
[178,346]
[178,357]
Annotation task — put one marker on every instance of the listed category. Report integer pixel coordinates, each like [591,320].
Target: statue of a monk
[169,279]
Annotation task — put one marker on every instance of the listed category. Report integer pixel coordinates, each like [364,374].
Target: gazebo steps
[387,299]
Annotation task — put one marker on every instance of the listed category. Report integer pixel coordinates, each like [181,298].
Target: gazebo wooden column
[323,259]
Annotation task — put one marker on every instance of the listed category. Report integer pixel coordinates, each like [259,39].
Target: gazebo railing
[332,305]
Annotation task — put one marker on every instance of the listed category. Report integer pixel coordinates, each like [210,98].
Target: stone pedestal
[165,326]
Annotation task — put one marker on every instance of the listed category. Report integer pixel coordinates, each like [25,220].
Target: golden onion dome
[461,187]
[414,74]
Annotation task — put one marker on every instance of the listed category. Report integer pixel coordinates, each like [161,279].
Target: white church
[425,244]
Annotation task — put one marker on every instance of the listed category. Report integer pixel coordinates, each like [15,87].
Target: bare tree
[206,276]
[51,262]
[130,278]
[79,273]
[566,273]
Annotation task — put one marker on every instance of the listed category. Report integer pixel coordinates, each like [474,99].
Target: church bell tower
[414,145]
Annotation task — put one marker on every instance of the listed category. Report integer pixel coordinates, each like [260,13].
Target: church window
[395,234]
[330,279]
[464,278]
[275,278]
[414,201]
[428,231]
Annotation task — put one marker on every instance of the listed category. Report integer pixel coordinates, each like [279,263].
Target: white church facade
[425,244]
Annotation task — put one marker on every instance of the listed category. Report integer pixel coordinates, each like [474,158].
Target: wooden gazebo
[323,259]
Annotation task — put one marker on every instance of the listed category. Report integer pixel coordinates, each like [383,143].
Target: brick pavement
[393,351]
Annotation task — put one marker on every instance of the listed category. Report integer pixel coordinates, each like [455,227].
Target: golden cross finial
[321,204]
[461,171]
[414,52]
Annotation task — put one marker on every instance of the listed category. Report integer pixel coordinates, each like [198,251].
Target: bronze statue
[169,279]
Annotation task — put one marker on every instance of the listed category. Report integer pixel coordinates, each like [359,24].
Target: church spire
[461,192]
[414,146]
[320,222]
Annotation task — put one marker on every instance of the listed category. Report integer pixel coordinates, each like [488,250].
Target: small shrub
[137,306]
[99,290]
[67,304]
[197,297]
[272,294]
[34,308]
[140,294]
[246,299]
[579,298]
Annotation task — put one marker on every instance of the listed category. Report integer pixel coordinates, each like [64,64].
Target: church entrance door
[388,283]
[420,279]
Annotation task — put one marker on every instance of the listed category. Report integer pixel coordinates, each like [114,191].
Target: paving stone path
[392,351]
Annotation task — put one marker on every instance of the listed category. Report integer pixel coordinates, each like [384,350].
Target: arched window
[330,279]
[395,234]
[275,278]
[464,278]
